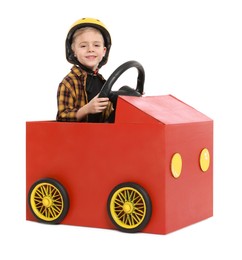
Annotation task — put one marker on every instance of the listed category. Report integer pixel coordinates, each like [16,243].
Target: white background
[190,49]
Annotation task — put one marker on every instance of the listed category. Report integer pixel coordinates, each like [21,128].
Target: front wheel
[129,207]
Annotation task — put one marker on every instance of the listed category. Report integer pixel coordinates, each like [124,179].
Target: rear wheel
[48,201]
[129,207]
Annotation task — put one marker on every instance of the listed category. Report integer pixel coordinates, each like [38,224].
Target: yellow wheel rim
[46,201]
[128,207]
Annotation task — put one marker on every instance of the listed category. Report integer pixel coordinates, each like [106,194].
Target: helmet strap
[89,71]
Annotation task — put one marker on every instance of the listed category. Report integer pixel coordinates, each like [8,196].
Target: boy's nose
[90,48]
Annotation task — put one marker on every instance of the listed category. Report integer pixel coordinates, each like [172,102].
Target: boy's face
[89,48]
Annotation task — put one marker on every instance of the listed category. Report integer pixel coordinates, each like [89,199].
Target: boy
[88,44]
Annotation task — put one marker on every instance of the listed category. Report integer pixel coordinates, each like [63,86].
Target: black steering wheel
[125,90]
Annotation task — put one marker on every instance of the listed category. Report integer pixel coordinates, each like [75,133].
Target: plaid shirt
[72,95]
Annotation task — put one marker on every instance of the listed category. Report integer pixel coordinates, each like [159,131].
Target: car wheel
[129,207]
[48,201]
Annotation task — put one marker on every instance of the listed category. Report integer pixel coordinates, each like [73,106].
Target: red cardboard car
[151,170]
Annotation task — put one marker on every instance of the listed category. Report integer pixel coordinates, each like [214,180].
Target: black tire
[48,201]
[129,207]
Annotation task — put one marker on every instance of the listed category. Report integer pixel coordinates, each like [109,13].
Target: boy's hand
[97,105]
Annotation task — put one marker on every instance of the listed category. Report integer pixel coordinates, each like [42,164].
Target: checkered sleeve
[66,104]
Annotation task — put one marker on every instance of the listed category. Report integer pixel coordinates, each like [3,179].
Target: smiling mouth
[91,57]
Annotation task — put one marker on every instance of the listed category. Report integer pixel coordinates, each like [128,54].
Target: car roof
[166,109]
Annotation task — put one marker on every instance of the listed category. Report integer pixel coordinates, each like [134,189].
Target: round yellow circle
[204,159]
[176,165]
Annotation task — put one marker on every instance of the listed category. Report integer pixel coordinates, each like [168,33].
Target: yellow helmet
[87,22]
